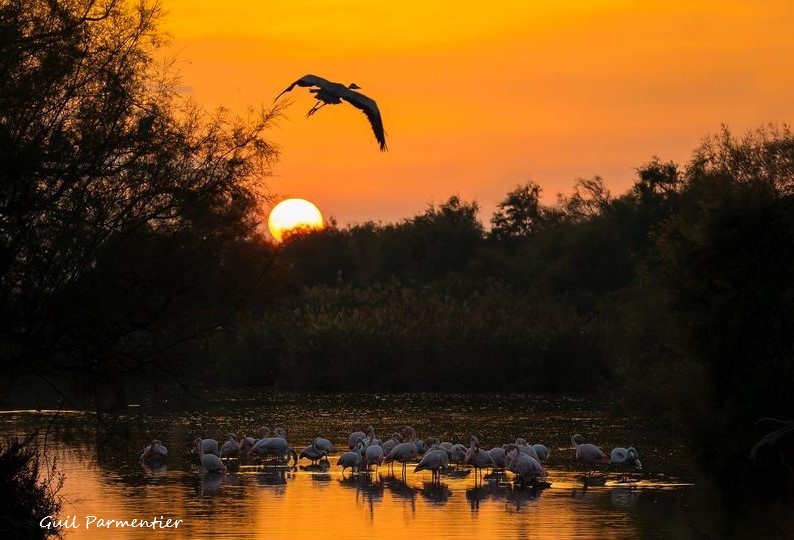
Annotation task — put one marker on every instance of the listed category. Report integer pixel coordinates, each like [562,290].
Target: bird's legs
[317,106]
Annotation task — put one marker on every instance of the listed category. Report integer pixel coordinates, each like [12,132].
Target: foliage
[26,495]
[713,309]
[127,216]
[433,245]
[395,338]
[725,259]
[589,200]
[520,214]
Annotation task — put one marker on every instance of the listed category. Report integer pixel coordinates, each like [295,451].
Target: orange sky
[478,97]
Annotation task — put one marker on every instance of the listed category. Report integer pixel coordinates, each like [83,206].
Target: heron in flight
[332,93]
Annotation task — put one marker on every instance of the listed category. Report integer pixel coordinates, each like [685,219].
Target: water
[252,501]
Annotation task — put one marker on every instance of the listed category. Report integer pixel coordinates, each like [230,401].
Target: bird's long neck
[514,459]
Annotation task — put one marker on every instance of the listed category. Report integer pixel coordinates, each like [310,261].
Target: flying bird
[332,93]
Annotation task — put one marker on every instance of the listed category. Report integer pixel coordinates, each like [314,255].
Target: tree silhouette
[109,179]
[520,214]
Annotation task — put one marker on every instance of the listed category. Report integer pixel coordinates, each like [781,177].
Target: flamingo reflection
[367,491]
[435,492]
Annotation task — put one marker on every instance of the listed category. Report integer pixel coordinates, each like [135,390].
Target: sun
[291,215]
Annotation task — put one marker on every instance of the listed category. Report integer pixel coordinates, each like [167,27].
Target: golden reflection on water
[252,503]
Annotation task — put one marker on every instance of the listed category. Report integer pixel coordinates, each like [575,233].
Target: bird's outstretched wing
[370,108]
[306,80]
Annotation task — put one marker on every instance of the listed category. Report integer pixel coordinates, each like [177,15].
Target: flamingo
[155,452]
[498,456]
[408,433]
[526,468]
[210,446]
[323,444]
[773,444]
[313,453]
[541,451]
[351,459]
[434,460]
[625,458]
[457,454]
[447,447]
[210,462]
[421,448]
[373,453]
[526,448]
[353,438]
[246,443]
[231,447]
[479,459]
[388,445]
[402,453]
[589,453]
[277,447]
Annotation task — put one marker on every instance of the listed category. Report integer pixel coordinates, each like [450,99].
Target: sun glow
[291,215]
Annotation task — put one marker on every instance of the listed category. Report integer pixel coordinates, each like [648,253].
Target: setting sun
[292,214]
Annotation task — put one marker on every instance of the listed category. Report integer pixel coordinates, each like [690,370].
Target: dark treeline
[132,263]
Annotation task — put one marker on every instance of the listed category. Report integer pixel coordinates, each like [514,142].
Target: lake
[252,501]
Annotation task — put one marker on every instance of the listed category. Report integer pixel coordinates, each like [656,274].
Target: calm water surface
[251,501]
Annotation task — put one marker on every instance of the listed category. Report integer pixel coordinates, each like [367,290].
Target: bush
[26,496]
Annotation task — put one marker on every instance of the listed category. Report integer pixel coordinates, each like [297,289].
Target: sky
[480,97]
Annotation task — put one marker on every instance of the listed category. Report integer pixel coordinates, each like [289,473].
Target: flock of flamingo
[365,451]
